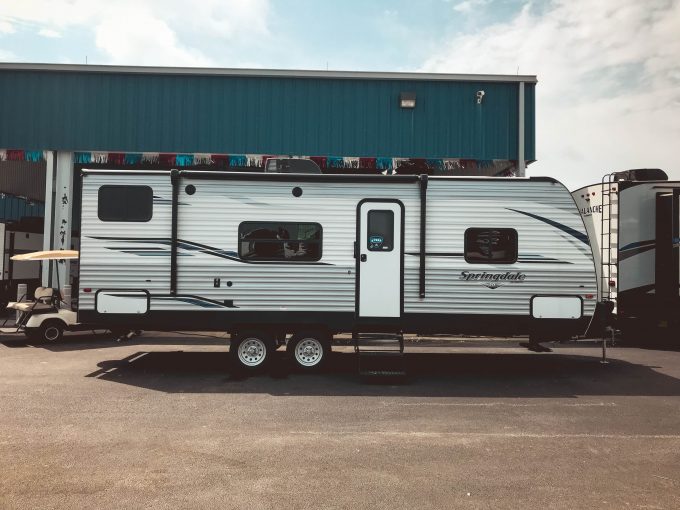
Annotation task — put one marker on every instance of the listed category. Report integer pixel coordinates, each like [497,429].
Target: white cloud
[608,96]
[150,32]
[138,37]
[49,33]
[6,27]
[468,6]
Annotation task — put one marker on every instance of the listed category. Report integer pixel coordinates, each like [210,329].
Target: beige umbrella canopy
[48,255]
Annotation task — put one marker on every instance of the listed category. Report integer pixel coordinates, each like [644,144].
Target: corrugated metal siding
[262,115]
[14,208]
[530,122]
[23,178]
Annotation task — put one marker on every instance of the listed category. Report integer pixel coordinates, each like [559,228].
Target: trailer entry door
[380,258]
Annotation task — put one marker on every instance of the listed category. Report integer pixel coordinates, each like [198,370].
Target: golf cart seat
[43,299]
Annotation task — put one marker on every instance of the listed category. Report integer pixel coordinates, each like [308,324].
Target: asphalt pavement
[160,422]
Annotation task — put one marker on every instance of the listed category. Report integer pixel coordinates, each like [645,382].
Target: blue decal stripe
[638,244]
[572,232]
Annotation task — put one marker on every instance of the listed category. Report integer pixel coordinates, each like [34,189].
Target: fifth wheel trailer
[267,255]
[633,221]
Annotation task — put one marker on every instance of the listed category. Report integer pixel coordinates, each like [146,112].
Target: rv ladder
[608,283]
[380,354]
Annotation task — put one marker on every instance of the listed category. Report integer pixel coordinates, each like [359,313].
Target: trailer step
[378,342]
[381,355]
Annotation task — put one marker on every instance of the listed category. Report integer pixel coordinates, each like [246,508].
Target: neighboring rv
[17,238]
[633,221]
[265,256]
[292,166]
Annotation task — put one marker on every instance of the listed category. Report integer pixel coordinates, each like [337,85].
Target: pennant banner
[334,164]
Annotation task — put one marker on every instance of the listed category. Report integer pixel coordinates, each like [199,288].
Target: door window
[380,231]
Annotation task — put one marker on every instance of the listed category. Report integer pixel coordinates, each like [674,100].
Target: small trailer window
[125,203]
[380,230]
[284,241]
[491,245]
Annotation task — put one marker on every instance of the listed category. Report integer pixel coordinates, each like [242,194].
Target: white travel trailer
[633,220]
[269,255]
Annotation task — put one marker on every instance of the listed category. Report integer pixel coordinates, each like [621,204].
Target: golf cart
[46,316]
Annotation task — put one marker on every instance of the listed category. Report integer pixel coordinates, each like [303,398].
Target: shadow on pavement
[525,375]
[85,341]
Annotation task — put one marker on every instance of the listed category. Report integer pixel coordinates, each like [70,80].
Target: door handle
[363,257]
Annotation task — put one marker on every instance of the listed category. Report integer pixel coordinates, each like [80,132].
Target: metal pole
[22,290]
[521,160]
[604,346]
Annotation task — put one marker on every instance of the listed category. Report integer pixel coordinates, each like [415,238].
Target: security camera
[480,96]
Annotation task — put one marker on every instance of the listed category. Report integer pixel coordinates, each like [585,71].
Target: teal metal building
[79,108]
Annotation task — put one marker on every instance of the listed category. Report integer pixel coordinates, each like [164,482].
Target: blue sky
[608,96]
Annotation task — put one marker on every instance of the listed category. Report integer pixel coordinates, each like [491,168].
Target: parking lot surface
[159,422]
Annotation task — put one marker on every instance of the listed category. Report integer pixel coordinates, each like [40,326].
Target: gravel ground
[158,422]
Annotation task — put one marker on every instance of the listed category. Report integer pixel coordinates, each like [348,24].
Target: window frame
[119,220]
[282,241]
[368,230]
[489,262]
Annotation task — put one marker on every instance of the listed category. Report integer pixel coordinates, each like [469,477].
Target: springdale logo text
[493,280]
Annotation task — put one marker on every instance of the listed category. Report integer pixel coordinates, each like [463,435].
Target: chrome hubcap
[51,333]
[308,352]
[252,352]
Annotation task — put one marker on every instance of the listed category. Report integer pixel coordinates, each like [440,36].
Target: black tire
[309,350]
[51,331]
[252,350]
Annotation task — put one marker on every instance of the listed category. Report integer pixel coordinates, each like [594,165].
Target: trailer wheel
[51,331]
[309,349]
[252,350]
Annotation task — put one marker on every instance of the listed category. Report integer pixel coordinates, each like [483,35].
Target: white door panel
[380,248]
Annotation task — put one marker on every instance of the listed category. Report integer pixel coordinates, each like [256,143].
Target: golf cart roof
[48,255]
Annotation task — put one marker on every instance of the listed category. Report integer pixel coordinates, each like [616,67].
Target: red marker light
[590,296]
[612,283]
[87,289]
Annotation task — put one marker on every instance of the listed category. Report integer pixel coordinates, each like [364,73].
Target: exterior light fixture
[407,100]
[480,96]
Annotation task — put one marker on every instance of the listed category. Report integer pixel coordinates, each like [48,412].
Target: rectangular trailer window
[491,245]
[279,241]
[380,230]
[125,203]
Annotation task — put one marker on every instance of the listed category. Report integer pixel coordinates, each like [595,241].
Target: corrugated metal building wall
[13,208]
[219,111]
[23,178]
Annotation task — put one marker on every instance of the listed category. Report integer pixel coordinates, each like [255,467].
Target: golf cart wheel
[252,350]
[51,331]
[309,350]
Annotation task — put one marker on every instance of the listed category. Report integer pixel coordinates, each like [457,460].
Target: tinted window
[279,241]
[491,245]
[380,231]
[125,203]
